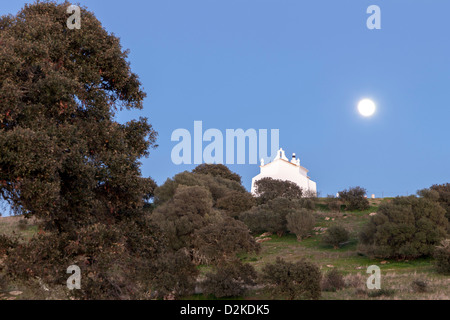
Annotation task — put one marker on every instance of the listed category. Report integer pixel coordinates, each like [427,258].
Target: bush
[3,283]
[301,222]
[354,199]
[224,237]
[260,220]
[235,203]
[268,189]
[183,214]
[376,293]
[231,279]
[117,260]
[442,256]
[271,216]
[172,275]
[218,186]
[441,195]
[335,236]
[217,170]
[333,281]
[300,280]
[334,204]
[406,227]
[6,243]
[22,224]
[444,196]
[306,203]
[419,286]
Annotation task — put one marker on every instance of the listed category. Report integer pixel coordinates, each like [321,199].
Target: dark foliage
[172,275]
[230,279]
[335,236]
[300,222]
[22,224]
[268,189]
[7,243]
[420,286]
[441,194]
[3,283]
[194,214]
[114,259]
[300,280]
[334,204]
[218,187]
[442,257]
[217,170]
[333,281]
[376,293]
[236,202]
[271,216]
[182,215]
[64,158]
[354,199]
[406,227]
[222,239]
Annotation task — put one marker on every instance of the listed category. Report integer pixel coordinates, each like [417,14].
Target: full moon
[366,107]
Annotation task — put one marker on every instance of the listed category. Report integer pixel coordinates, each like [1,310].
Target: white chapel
[283,169]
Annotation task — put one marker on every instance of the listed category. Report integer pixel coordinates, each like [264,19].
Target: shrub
[301,222]
[380,293]
[179,217]
[268,189]
[354,199]
[335,236]
[218,186]
[22,224]
[230,279]
[420,286]
[444,196]
[223,238]
[271,216]
[235,203]
[172,274]
[3,283]
[334,204]
[300,280]
[442,256]
[6,243]
[116,259]
[443,191]
[261,219]
[406,227]
[307,203]
[217,170]
[333,281]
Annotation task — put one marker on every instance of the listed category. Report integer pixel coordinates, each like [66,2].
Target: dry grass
[11,226]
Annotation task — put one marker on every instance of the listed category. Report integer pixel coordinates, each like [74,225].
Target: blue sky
[301,67]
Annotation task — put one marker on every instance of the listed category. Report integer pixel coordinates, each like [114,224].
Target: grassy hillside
[397,277]
[396,280]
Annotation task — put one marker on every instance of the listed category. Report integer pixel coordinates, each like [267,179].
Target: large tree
[64,158]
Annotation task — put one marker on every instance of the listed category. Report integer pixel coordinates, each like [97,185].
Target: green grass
[397,275]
